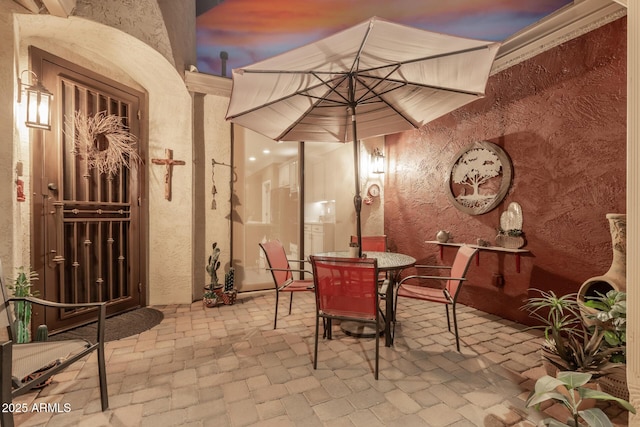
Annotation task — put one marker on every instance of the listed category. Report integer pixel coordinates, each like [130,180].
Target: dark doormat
[116,327]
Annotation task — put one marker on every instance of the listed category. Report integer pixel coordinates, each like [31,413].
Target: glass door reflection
[268,193]
[329,217]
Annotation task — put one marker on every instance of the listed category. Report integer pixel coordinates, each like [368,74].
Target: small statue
[213,266]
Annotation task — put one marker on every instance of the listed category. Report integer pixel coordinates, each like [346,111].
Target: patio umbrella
[375,78]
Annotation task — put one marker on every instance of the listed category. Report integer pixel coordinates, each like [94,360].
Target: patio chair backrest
[372,243]
[459,269]
[277,259]
[346,287]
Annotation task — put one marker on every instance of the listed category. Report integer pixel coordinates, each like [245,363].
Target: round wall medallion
[479,178]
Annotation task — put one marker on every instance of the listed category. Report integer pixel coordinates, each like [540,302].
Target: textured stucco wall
[140,18]
[561,117]
[7,130]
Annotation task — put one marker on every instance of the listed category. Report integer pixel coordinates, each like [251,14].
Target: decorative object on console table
[483,243]
[443,236]
[510,234]
[515,252]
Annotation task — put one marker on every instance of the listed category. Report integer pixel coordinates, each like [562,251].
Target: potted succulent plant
[22,287]
[214,292]
[569,344]
[569,389]
[610,315]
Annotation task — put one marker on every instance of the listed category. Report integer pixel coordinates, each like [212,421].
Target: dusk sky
[253,30]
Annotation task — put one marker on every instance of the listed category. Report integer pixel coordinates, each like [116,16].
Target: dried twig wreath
[104,142]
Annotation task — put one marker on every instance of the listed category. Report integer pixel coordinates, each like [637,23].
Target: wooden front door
[87,233]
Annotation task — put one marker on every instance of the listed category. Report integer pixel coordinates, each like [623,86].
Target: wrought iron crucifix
[168,162]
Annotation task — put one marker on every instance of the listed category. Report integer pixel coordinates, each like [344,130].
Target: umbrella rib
[300,92]
[379,96]
[426,58]
[356,59]
[405,83]
[332,89]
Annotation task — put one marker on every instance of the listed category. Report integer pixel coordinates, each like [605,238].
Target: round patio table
[392,263]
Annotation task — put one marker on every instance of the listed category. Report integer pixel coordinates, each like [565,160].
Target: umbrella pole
[357,199]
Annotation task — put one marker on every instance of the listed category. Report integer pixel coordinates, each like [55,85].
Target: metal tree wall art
[104,142]
[480,177]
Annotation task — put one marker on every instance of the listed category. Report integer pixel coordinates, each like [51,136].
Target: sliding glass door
[329,215]
[267,204]
[270,200]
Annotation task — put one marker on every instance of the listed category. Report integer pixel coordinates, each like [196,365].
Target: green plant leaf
[574,379]
[594,417]
[547,383]
[552,422]
[537,398]
[601,395]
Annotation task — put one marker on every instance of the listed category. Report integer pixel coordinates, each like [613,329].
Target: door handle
[59,228]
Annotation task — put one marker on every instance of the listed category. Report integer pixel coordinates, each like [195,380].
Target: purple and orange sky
[253,30]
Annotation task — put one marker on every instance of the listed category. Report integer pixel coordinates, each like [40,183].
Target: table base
[360,330]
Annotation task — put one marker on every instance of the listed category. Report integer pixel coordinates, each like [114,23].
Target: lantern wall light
[377,161]
[38,102]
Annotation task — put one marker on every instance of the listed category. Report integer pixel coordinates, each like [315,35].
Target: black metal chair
[20,361]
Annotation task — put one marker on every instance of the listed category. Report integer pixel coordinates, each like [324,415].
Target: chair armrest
[448,267]
[430,277]
[302,261]
[53,304]
[293,270]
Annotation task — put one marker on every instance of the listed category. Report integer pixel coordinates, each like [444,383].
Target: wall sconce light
[377,161]
[39,99]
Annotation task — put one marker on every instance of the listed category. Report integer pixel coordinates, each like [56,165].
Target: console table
[516,252]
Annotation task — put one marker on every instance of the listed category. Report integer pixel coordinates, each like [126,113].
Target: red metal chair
[447,295]
[346,289]
[372,243]
[282,273]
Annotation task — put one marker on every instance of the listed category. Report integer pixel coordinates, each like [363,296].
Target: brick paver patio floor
[227,366]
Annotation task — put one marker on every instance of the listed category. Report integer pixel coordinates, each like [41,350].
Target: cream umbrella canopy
[375,78]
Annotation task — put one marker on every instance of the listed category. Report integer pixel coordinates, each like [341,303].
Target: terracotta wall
[561,117]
